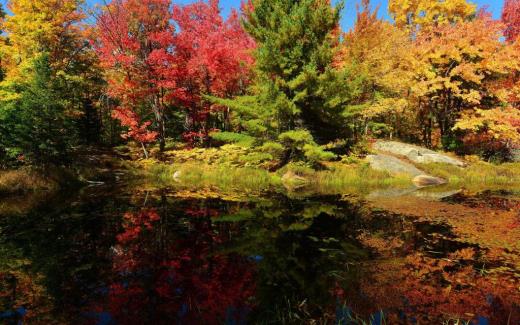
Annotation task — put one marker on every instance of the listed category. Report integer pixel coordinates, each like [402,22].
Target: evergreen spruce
[296,43]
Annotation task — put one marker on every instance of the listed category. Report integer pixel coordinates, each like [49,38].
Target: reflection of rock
[416,154]
[386,193]
[393,165]
[95,183]
[426,180]
[413,191]
[292,181]
[436,195]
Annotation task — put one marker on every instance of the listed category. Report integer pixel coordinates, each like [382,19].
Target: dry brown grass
[24,180]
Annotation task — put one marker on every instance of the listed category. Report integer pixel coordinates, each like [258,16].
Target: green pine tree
[296,84]
[36,124]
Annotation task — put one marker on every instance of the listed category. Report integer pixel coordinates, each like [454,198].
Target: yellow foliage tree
[381,53]
[53,29]
[41,26]
[457,69]
[498,126]
[426,13]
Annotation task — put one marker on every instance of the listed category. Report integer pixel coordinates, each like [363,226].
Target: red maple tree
[213,56]
[134,42]
[511,18]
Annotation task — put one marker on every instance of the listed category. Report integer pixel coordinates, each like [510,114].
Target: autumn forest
[441,74]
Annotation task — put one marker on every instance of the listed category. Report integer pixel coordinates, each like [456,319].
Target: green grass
[337,179]
[227,172]
[341,177]
[478,176]
[203,175]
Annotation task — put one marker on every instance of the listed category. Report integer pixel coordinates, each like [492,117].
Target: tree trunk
[144,150]
[159,118]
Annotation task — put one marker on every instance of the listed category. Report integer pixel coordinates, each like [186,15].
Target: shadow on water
[117,257]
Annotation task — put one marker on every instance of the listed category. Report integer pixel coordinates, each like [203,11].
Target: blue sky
[349,13]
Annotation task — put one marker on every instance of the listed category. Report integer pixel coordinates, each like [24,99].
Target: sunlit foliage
[456,73]
[415,14]
[440,73]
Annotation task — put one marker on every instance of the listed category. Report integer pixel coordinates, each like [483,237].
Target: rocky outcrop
[396,166]
[416,154]
[515,155]
[397,158]
[393,165]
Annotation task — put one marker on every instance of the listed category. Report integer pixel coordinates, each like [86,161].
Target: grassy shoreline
[196,172]
[200,175]
[479,173]
[336,178]
[24,180]
[86,167]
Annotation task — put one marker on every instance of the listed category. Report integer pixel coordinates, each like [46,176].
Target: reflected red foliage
[433,290]
[159,279]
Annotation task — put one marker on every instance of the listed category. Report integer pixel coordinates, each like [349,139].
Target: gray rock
[515,155]
[393,165]
[291,181]
[399,148]
[396,166]
[427,180]
[177,176]
[415,153]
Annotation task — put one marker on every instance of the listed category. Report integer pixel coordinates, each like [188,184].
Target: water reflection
[152,258]
[169,270]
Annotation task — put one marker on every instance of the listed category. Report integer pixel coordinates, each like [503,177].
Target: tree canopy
[277,73]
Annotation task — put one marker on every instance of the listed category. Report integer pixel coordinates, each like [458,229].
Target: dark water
[110,256]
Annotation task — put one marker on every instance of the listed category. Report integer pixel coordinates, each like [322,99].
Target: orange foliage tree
[381,54]
[456,73]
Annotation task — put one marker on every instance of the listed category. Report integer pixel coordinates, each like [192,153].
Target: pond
[130,256]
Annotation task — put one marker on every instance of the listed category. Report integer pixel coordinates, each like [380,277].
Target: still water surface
[119,256]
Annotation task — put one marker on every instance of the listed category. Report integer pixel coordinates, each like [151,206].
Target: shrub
[298,168]
[255,158]
[273,148]
[315,154]
[361,148]
[300,145]
[240,139]
[350,160]
[296,139]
